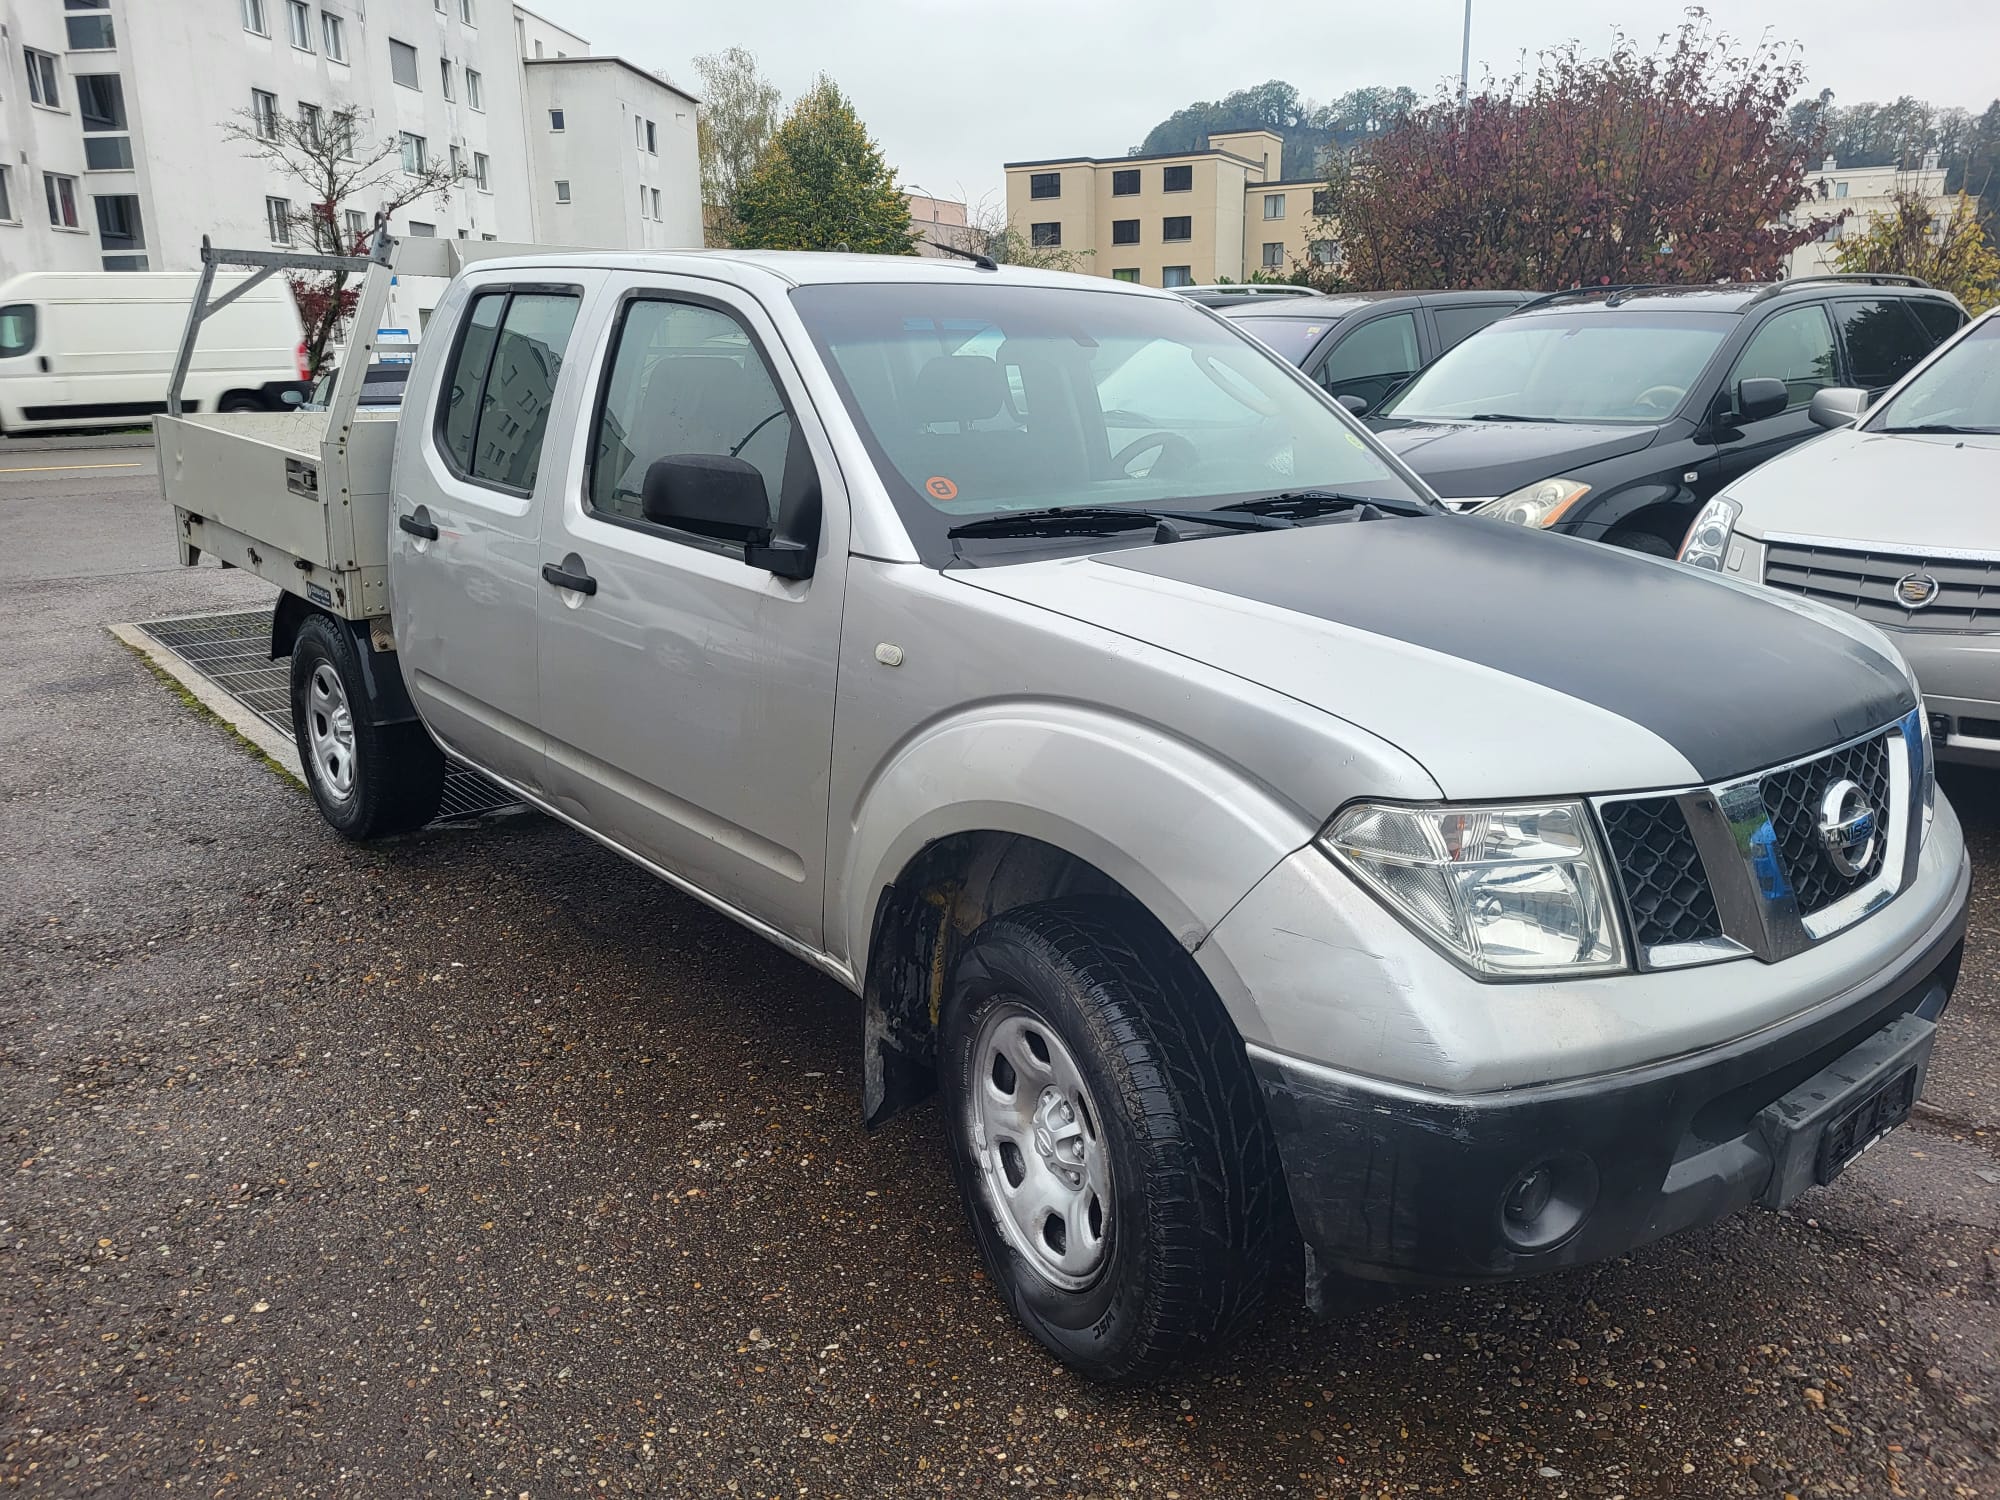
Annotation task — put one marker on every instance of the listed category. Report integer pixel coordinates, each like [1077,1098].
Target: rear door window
[1457,324]
[494,408]
[1883,341]
[1796,347]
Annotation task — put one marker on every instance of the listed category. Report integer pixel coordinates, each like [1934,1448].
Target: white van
[96,348]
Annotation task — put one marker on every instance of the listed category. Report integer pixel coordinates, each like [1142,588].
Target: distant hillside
[1308,129]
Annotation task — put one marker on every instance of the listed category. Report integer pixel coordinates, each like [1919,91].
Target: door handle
[42,363]
[569,574]
[418,525]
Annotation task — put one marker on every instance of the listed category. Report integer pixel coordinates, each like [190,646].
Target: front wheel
[370,780]
[1108,1138]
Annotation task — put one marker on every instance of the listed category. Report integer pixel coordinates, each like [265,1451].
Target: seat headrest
[960,388]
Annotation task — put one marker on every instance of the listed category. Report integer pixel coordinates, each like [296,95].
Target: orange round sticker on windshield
[941,488]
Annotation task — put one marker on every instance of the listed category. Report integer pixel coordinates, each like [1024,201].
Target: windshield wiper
[1304,504]
[1103,520]
[1949,429]
[1507,416]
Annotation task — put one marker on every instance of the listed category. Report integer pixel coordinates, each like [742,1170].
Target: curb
[277,747]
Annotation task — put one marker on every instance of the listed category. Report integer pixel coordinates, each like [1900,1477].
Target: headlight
[1537,504]
[1929,771]
[1707,540]
[1510,892]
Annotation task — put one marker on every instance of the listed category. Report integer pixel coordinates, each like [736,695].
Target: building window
[403,64]
[61,193]
[119,227]
[481,172]
[333,32]
[1322,202]
[100,101]
[253,17]
[652,140]
[422,231]
[1840,190]
[457,163]
[475,90]
[1177,179]
[1045,185]
[562,190]
[107,153]
[444,76]
[1124,231]
[1124,183]
[468,13]
[7,196]
[642,203]
[1045,236]
[413,151]
[298,20]
[312,123]
[1177,276]
[89,33]
[357,229]
[1274,255]
[1325,252]
[278,220]
[1274,205]
[264,113]
[656,205]
[1181,228]
[42,86]
[555,119]
[639,132]
[1128,273]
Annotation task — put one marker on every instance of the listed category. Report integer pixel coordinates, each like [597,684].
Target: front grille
[1793,796]
[1666,889]
[1864,583]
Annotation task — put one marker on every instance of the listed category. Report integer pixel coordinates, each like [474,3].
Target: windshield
[1960,391]
[982,399]
[1292,337]
[1577,367]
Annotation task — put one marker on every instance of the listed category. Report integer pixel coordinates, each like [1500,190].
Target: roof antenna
[984,262]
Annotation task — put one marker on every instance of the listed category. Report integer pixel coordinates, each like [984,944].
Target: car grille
[1864,583]
[1666,889]
[1793,798]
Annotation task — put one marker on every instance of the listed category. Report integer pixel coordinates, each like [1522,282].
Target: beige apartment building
[1866,193]
[1185,219]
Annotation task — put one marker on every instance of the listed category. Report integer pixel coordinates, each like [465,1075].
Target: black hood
[1734,680]
[1488,459]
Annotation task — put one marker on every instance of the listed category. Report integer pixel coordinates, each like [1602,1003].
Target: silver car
[1890,517]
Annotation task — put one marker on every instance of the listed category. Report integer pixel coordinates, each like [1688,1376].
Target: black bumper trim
[1395,1187]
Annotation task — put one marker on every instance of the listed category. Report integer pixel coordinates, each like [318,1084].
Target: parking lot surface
[482,1164]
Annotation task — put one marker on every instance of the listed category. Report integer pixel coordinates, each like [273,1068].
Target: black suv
[1614,412]
[1362,345]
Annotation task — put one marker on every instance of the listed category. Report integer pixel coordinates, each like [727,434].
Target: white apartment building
[1864,193]
[112,152]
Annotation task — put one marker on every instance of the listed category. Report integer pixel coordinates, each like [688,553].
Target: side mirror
[1760,397]
[293,397]
[716,495]
[1837,406]
[1354,404]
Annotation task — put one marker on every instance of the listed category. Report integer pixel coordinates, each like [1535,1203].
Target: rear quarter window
[1939,319]
[1883,340]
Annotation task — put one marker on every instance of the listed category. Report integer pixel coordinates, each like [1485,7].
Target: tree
[739,113]
[1677,163]
[1310,131]
[1949,250]
[822,184]
[988,233]
[337,170]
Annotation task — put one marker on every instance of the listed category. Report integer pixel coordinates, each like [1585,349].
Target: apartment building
[113,154]
[1865,193]
[1179,219]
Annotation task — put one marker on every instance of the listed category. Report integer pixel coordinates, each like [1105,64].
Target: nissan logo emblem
[1847,828]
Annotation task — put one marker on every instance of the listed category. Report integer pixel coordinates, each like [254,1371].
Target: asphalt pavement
[482,1164]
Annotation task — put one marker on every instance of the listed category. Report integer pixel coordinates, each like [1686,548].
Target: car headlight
[1707,540]
[1510,892]
[1929,771]
[1540,504]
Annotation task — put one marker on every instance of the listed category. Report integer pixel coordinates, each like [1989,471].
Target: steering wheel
[1176,452]
[1671,393]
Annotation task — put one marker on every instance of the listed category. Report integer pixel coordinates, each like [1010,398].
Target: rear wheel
[239,403]
[1108,1138]
[369,779]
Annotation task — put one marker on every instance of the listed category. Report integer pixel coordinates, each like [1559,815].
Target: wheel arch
[388,699]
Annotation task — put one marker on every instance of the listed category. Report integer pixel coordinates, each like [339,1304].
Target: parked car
[1363,345]
[1890,518]
[381,387]
[1615,413]
[95,348]
[1231,293]
[1218,824]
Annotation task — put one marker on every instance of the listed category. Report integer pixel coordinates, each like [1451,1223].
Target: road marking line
[67,468]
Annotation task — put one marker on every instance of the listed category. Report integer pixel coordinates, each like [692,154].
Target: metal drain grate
[233,651]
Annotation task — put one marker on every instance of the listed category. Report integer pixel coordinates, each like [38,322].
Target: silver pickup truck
[1246,850]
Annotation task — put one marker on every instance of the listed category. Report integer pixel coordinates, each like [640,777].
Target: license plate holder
[1861,1125]
[1817,1130]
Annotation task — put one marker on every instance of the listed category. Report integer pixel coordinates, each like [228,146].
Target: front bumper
[1403,1184]
[1959,674]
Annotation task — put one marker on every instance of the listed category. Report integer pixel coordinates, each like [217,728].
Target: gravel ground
[481,1164]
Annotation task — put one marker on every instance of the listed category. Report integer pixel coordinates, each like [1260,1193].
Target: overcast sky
[953,88]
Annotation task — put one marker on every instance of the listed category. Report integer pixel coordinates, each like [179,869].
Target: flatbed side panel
[354,485]
[351,593]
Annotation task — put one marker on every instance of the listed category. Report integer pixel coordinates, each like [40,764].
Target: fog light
[1547,1202]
